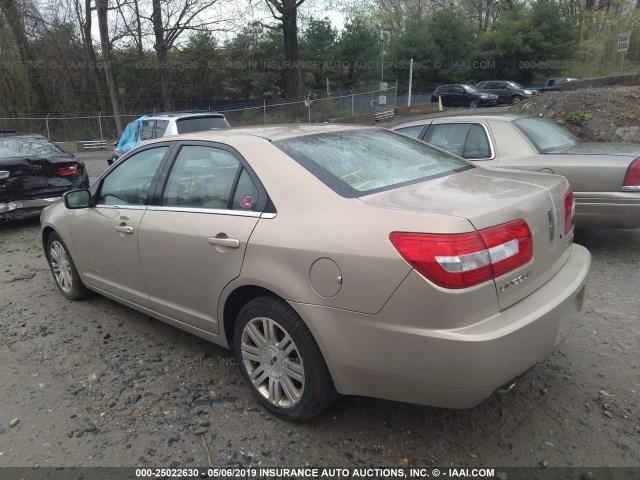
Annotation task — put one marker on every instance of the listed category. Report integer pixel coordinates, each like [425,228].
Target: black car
[510,93]
[34,171]
[461,95]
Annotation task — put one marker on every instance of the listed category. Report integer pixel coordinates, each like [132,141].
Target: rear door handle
[224,241]
[124,229]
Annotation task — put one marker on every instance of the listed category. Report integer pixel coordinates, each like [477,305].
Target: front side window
[358,162]
[204,177]
[129,182]
[146,132]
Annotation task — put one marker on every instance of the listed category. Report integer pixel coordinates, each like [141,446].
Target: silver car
[605,177]
[332,259]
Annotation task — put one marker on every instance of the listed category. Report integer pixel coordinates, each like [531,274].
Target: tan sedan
[605,177]
[333,259]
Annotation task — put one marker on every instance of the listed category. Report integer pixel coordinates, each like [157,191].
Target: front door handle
[124,229]
[224,241]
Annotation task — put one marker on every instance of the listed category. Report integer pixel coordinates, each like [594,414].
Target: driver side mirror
[77,199]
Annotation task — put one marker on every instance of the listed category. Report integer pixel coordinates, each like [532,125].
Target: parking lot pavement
[96,383]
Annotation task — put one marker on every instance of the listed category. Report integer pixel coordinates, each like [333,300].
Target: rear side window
[545,135]
[360,162]
[209,177]
[199,124]
[161,127]
[411,131]
[467,140]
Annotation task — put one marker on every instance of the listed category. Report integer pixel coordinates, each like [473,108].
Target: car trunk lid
[488,198]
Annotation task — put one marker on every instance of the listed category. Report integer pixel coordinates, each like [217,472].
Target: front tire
[474,104]
[516,99]
[64,270]
[280,361]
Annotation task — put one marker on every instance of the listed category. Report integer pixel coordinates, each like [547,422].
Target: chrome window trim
[268,215]
[128,207]
[210,211]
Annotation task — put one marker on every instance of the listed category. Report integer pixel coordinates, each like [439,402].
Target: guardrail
[94,144]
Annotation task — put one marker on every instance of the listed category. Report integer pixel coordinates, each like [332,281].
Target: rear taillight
[466,259]
[632,178]
[66,171]
[569,210]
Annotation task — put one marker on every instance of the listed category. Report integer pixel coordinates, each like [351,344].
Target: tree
[102,8]
[15,20]
[359,46]
[170,20]
[286,13]
[318,45]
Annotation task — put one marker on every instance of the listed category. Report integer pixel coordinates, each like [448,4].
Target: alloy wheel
[61,266]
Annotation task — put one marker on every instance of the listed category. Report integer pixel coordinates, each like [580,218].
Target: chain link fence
[313,109]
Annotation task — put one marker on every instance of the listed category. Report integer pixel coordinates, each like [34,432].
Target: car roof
[177,115]
[503,117]
[267,132]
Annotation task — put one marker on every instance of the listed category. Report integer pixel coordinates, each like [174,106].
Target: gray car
[605,177]
[332,259]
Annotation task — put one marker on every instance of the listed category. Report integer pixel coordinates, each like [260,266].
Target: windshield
[27,147]
[545,135]
[470,89]
[354,163]
[199,124]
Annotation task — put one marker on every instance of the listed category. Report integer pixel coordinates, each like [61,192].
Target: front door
[105,236]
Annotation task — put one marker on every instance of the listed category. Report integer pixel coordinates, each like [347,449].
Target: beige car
[605,177]
[333,259]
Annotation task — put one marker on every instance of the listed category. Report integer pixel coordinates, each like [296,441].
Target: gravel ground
[93,383]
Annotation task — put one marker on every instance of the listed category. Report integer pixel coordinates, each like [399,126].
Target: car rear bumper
[24,208]
[384,356]
[608,209]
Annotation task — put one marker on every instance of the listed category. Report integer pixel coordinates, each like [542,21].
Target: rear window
[357,163]
[27,147]
[199,124]
[546,136]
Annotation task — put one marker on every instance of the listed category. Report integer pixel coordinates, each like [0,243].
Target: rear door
[192,243]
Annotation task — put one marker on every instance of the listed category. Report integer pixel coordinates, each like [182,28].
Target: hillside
[607,114]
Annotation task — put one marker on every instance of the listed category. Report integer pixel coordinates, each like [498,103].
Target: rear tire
[64,270]
[280,361]
[474,104]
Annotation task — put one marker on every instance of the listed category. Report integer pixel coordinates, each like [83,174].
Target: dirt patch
[607,114]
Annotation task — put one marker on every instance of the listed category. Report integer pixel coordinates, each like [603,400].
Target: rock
[583,421]
[24,276]
[14,422]
[200,430]
[205,423]
[174,464]
[608,414]
[624,447]
[79,433]
[604,393]
[628,134]
[90,428]
[544,464]
[403,462]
